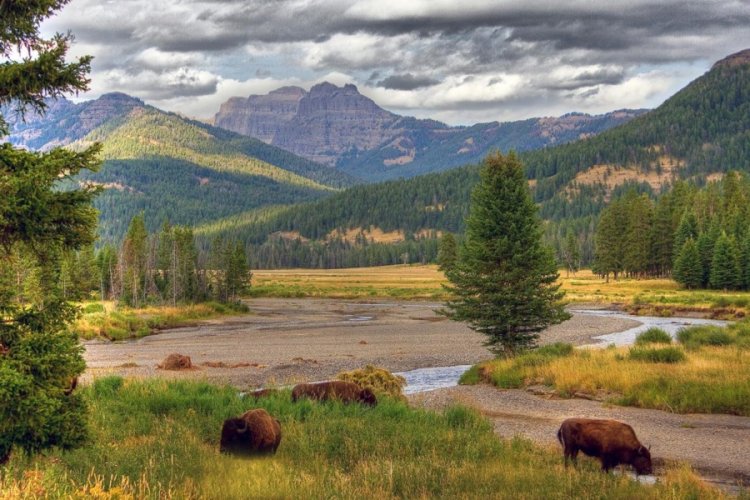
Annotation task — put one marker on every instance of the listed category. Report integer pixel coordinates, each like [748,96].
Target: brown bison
[345,392]
[612,442]
[253,433]
[71,386]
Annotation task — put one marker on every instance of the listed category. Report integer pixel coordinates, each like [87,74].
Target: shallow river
[428,379]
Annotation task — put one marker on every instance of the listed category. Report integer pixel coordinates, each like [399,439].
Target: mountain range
[340,127]
[697,134]
[171,167]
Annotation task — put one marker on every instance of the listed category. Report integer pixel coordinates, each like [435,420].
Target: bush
[660,355]
[94,307]
[556,350]
[653,336]
[697,336]
[378,380]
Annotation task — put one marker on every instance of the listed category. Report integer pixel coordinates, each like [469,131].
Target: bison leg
[572,454]
[608,464]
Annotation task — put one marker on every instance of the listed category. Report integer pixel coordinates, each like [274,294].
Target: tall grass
[118,323]
[159,439]
[709,379]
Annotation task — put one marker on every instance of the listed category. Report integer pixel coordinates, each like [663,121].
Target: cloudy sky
[459,61]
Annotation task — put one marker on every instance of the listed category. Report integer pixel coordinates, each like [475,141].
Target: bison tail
[560,436]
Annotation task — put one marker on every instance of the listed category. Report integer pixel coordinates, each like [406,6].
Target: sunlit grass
[703,379]
[659,297]
[159,439]
[111,321]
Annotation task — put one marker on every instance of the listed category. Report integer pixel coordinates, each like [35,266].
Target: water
[429,379]
[627,337]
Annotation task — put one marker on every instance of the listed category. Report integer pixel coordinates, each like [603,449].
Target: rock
[176,362]
[320,125]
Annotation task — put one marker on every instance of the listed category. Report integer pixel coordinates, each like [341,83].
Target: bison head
[234,435]
[642,461]
[366,396]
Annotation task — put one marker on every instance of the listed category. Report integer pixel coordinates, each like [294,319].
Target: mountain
[697,134]
[172,167]
[340,127]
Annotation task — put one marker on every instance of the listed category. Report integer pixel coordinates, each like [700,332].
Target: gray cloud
[407,81]
[549,55]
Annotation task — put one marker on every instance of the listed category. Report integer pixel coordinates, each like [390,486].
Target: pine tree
[687,229]
[504,279]
[610,240]
[134,262]
[725,269]
[687,269]
[39,356]
[448,252]
[571,253]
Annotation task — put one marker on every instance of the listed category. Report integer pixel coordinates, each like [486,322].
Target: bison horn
[243,429]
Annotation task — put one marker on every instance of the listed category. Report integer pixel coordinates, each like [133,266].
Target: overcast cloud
[457,61]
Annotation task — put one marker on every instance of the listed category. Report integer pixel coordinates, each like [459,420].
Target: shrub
[556,350]
[659,355]
[379,380]
[653,336]
[93,308]
[697,336]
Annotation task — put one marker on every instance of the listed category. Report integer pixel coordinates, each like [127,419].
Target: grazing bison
[345,392]
[253,433]
[612,442]
[176,362]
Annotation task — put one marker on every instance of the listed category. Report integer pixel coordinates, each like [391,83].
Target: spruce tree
[448,252]
[39,356]
[725,270]
[571,253]
[504,279]
[687,229]
[687,269]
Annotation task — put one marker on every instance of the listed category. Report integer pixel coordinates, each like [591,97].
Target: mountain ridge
[344,129]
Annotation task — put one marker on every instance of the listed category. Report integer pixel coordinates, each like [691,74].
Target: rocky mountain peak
[737,59]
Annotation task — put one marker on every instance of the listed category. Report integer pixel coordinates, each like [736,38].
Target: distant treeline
[160,268]
[700,236]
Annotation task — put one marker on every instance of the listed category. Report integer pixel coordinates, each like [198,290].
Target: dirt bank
[288,340]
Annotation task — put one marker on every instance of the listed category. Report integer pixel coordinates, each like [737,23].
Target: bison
[345,392]
[253,433]
[612,442]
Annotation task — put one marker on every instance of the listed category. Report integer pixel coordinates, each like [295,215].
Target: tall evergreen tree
[504,280]
[688,270]
[687,229]
[39,356]
[725,269]
[448,252]
[571,253]
[134,262]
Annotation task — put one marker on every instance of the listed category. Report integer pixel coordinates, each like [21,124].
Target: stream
[428,379]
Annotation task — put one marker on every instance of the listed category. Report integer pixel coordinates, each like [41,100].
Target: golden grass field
[645,296]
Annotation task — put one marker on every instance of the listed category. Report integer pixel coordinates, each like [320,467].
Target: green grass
[119,323]
[653,336]
[657,355]
[713,377]
[159,439]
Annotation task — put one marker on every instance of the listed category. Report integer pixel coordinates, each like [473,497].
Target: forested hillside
[172,168]
[698,134]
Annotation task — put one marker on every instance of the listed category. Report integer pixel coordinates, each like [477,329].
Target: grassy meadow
[398,282]
[116,322]
[640,296]
[159,439]
[707,372]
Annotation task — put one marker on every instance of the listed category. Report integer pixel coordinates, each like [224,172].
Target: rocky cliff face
[340,127]
[320,124]
[260,116]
